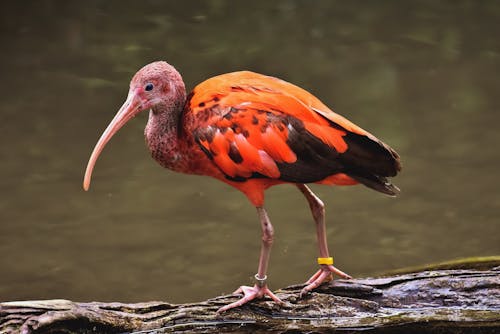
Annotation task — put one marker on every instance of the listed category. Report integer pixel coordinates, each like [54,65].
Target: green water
[423,77]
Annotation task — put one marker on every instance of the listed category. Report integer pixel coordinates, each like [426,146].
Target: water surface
[424,78]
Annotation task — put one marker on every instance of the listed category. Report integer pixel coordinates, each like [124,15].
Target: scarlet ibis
[252,132]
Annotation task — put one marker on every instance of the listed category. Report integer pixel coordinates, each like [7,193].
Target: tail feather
[369,154]
[378,183]
[370,161]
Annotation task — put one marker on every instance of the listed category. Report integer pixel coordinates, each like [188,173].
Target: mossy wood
[455,297]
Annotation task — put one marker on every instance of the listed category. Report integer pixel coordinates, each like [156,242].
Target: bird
[253,131]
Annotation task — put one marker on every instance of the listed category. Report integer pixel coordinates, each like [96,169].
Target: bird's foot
[259,290]
[324,274]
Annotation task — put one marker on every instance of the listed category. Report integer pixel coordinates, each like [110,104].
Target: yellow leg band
[325,260]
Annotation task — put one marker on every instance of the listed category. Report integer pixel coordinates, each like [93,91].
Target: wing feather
[252,125]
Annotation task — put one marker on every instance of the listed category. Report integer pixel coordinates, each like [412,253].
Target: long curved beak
[128,110]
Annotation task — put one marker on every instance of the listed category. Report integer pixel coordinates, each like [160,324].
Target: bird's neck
[162,134]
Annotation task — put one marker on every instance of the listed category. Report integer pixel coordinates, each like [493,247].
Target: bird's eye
[148,87]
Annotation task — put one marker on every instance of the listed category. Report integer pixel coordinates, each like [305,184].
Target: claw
[324,274]
[250,293]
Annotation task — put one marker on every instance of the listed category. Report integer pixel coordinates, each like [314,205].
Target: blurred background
[422,76]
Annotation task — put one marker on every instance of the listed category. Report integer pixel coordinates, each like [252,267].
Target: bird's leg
[260,289]
[326,270]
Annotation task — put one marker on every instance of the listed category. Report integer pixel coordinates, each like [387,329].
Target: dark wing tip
[371,155]
[396,159]
[378,183]
[391,189]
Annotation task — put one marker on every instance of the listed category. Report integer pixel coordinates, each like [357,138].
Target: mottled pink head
[156,86]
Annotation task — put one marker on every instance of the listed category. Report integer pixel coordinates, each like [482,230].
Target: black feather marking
[237,88]
[199,137]
[237,178]
[315,160]
[209,133]
[370,155]
[234,154]
[207,152]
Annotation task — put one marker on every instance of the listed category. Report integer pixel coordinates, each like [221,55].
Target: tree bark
[451,300]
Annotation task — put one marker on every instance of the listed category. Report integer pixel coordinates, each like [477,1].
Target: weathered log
[451,300]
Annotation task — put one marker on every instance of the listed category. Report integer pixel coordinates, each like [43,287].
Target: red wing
[246,142]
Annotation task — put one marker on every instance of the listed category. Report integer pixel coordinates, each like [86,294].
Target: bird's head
[157,86]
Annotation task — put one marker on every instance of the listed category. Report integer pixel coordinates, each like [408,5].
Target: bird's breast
[177,153]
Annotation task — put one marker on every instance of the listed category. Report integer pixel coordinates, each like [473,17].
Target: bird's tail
[378,183]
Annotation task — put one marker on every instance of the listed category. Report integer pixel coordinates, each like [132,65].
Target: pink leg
[260,289]
[318,212]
